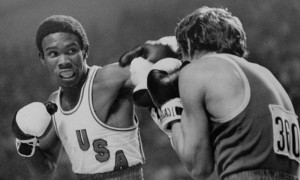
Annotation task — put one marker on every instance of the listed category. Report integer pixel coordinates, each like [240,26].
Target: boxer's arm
[191,137]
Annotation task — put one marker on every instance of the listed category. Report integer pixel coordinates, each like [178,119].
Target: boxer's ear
[86,52]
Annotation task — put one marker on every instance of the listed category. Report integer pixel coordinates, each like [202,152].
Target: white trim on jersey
[90,92]
[246,99]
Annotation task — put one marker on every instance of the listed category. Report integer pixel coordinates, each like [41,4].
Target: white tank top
[92,146]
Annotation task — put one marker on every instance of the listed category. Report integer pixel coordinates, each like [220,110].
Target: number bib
[285,132]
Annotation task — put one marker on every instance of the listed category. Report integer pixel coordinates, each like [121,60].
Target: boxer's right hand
[152,50]
[30,123]
[141,58]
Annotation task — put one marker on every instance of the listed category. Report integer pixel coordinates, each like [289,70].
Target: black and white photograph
[150,90]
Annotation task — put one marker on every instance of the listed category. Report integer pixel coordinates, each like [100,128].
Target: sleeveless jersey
[263,133]
[92,146]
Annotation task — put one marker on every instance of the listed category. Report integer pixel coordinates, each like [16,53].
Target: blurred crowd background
[114,26]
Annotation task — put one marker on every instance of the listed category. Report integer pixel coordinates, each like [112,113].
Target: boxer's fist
[30,123]
[152,50]
[140,59]
[162,83]
[33,119]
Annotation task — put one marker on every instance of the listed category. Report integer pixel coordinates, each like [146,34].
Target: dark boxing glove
[152,50]
[30,123]
[140,59]
[162,83]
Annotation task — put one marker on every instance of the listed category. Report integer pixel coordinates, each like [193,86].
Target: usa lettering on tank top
[92,146]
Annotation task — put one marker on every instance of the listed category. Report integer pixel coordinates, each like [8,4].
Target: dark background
[114,26]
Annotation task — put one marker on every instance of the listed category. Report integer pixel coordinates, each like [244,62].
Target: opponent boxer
[236,115]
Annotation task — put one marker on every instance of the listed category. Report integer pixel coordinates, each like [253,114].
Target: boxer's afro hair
[61,23]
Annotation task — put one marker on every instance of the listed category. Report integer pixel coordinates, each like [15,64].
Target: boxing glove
[152,50]
[30,123]
[162,84]
[139,69]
